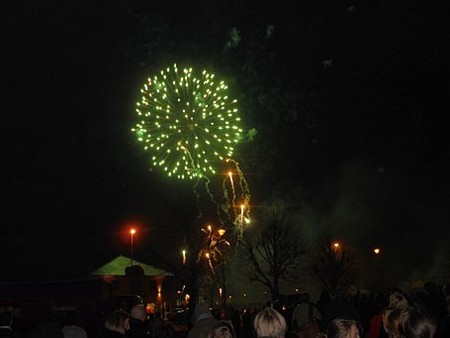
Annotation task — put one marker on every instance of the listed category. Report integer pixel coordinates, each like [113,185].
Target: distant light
[132,231]
[183,253]
[336,245]
[376,251]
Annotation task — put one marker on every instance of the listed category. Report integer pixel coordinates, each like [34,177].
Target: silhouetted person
[306,318]
[375,325]
[71,326]
[204,321]
[270,323]
[6,322]
[344,328]
[415,323]
[247,324]
[340,307]
[117,324]
[139,325]
[435,305]
[397,304]
[223,329]
[154,323]
[49,326]
[236,321]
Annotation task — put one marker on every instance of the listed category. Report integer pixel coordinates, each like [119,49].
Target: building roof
[118,265]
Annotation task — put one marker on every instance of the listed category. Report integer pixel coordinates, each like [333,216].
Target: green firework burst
[187,121]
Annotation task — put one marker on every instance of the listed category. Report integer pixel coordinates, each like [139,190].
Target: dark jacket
[6,332]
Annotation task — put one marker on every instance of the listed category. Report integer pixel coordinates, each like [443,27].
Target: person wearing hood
[204,321]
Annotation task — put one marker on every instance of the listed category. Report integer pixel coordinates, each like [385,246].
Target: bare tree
[274,253]
[334,267]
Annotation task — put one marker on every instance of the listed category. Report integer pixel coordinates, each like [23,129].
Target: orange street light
[132,232]
[184,257]
[336,247]
[376,251]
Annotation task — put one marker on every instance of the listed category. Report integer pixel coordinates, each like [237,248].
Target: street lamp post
[183,253]
[223,295]
[132,232]
[378,267]
[336,245]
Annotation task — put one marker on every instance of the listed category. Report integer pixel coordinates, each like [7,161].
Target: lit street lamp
[337,248]
[378,267]
[184,257]
[132,232]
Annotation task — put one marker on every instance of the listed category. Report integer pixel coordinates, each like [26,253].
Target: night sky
[73,179]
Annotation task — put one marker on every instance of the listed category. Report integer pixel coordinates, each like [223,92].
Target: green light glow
[190,124]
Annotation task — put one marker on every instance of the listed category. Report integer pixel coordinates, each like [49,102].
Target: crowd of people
[394,314]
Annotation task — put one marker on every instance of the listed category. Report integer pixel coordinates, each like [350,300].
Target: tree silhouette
[274,250]
[335,268]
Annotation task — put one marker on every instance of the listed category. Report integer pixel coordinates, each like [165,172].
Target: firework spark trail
[227,204]
[233,191]
[245,193]
[217,205]
[244,186]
